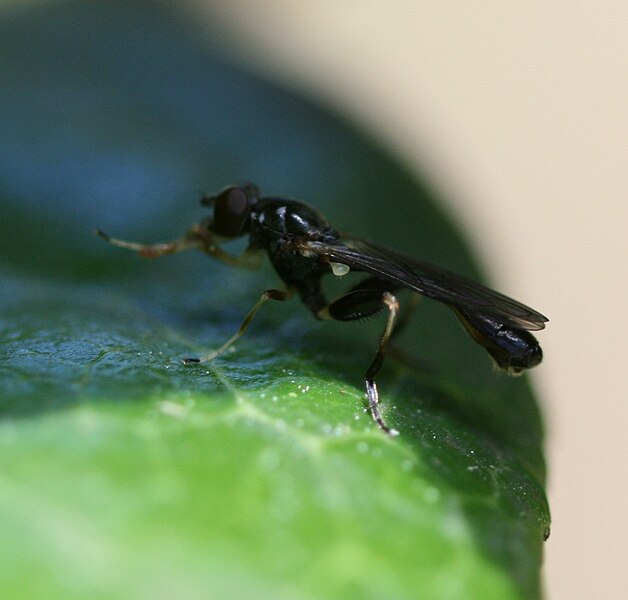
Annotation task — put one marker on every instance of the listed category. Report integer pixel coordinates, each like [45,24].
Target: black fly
[303,247]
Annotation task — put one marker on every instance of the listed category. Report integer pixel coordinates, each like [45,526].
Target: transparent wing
[428,280]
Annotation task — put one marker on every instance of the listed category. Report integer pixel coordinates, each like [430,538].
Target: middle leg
[265,297]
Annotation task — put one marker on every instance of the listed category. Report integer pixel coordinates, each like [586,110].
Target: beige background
[520,111]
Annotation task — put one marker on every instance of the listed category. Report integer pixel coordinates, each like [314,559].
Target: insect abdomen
[512,349]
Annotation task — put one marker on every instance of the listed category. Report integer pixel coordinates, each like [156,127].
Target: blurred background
[517,114]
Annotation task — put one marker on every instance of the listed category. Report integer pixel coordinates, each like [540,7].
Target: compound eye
[232,208]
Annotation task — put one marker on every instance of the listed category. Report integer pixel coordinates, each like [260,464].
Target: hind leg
[358,304]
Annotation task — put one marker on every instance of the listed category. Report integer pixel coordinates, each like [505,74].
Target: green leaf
[124,473]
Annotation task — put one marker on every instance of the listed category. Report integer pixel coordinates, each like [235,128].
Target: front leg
[250,259]
[189,240]
[197,237]
[359,304]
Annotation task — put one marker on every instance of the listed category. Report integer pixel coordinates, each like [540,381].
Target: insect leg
[196,237]
[374,283]
[371,387]
[267,295]
[189,240]
[358,304]
[250,259]
[405,315]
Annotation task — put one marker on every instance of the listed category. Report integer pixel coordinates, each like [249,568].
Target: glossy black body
[301,244]
[279,227]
